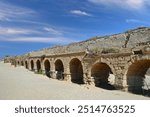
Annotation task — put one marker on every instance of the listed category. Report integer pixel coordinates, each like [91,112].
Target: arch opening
[47,67]
[59,68]
[76,71]
[22,64]
[18,63]
[103,76]
[32,65]
[38,64]
[26,64]
[138,77]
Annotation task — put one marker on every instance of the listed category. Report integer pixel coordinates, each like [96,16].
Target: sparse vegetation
[105,50]
[96,50]
[109,50]
[39,72]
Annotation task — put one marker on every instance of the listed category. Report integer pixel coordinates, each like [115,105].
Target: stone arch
[38,65]
[59,68]
[135,76]
[103,76]
[76,70]
[32,65]
[26,65]
[47,67]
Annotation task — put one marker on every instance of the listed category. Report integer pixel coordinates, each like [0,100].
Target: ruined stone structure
[95,65]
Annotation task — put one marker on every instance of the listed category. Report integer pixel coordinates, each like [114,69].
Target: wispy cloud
[27,30]
[16,31]
[124,4]
[53,31]
[9,12]
[54,40]
[137,21]
[45,35]
[79,12]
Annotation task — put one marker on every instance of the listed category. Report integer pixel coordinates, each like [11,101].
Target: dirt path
[19,83]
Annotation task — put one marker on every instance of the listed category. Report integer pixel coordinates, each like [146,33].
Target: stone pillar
[124,83]
[52,71]
[67,74]
[42,67]
[85,78]
[67,77]
[29,65]
[88,79]
[119,66]
[35,67]
[118,82]
[87,74]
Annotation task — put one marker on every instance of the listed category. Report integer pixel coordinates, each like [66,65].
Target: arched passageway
[47,67]
[26,64]
[38,65]
[59,68]
[22,64]
[137,81]
[32,65]
[18,63]
[76,71]
[102,75]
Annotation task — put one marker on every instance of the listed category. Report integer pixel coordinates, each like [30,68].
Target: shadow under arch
[26,65]
[136,77]
[22,64]
[18,62]
[103,76]
[59,68]
[47,68]
[38,64]
[76,71]
[32,65]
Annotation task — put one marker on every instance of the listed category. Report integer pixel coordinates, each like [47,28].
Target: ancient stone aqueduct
[128,67]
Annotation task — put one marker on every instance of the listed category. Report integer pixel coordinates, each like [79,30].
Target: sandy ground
[20,84]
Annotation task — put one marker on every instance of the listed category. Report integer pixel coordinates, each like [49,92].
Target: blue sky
[27,25]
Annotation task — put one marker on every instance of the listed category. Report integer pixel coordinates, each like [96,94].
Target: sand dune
[19,83]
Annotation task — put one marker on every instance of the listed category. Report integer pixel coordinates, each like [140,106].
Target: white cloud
[79,12]
[55,40]
[31,30]
[137,21]
[8,31]
[125,4]
[14,31]
[135,4]
[9,12]
[132,21]
[53,31]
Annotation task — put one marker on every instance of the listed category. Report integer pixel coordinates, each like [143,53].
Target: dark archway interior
[101,72]
[76,71]
[47,68]
[136,77]
[26,64]
[22,64]
[38,64]
[32,65]
[59,68]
